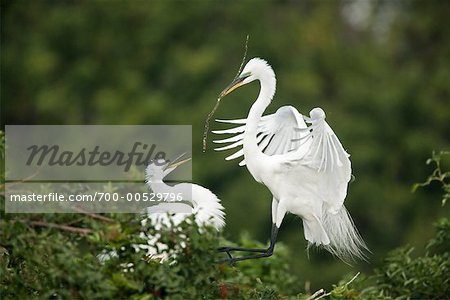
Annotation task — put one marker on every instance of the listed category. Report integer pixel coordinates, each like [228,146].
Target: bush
[57,256]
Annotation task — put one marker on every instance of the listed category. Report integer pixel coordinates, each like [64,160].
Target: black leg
[228,249]
[264,252]
[233,260]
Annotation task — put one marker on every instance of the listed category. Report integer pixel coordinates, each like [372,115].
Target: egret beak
[234,85]
[175,163]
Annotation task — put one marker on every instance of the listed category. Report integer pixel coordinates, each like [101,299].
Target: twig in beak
[205,131]
[211,114]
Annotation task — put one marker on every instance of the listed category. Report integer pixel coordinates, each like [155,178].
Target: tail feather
[315,233]
[345,241]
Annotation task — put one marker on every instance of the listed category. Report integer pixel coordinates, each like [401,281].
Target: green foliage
[50,256]
[407,276]
[41,262]
[404,274]
[261,279]
[418,277]
[382,79]
[442,177]
[2,144]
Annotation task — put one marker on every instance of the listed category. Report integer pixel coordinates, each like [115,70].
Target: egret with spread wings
[305,167]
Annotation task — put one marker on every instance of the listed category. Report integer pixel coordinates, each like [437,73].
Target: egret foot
[263,252]
[232,260]
[228,249]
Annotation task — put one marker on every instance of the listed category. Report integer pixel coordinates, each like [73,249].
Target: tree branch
[61,227]
[95,216]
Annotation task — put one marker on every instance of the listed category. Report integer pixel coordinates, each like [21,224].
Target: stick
[205,131]
[210,115]
[61,227]
[94,216]
[320,293]
[316,294]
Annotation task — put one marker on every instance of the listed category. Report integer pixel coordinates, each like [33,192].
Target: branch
[2,186]
[320,293]
[95,216]
[61,227]
[316,294]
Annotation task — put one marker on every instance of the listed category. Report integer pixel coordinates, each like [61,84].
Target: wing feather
[232,130]
[235,155]
[276,134]
[327,155]
[230,139]
[233,121]
[315,146]
[231,146]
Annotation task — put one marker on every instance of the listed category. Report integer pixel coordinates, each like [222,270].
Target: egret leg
[228,249]
[263,252]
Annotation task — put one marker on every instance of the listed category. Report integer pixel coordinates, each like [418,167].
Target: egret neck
[253,155]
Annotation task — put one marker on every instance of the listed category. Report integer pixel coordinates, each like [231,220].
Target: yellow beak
[232,86]
[176,164]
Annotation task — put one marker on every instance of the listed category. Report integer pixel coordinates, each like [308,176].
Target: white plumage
[197,200]
[305,167]
[207,210]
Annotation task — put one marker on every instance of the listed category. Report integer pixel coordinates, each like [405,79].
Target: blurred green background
[380,70]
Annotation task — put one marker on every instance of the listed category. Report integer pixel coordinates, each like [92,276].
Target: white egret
[305,168]
[197,200]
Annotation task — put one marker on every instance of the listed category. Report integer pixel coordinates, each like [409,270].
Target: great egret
[201,202]
[305,168]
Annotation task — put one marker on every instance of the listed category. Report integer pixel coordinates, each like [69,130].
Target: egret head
[317,114]
[255,69]
[157,170]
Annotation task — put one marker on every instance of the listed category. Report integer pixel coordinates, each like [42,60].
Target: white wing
[316,146]
[204,204]
[207,208]
[326,155]
[277,134]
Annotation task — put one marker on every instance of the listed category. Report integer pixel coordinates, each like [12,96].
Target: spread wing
[316,146]
[327,155]
[277,134]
